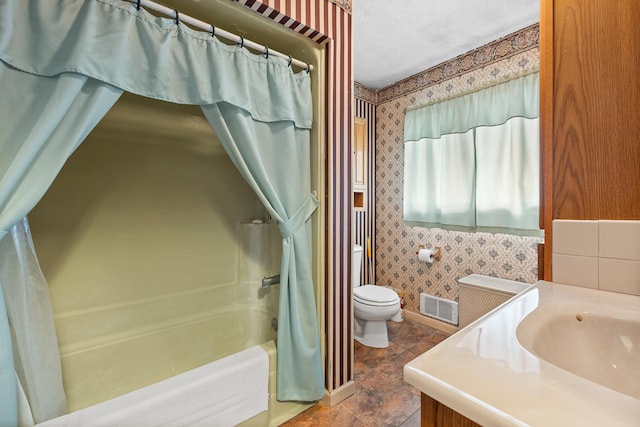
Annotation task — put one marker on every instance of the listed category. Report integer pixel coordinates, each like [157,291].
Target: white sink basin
[592,339]
[554,355]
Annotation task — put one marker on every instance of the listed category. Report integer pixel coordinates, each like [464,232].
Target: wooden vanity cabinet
[435,414]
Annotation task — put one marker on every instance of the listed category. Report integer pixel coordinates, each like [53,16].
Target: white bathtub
[555,355]
[220,394]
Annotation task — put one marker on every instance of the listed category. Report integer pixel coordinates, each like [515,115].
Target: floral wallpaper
[481,58]
[501,255]
[344,4]
[364,93]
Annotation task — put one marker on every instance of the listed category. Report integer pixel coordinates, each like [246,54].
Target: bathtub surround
[88,72]
[598,254]
[111,234]
[506,256]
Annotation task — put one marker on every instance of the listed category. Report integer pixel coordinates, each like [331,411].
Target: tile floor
[381,398]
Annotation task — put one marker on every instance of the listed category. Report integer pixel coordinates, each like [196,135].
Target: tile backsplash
[597,254]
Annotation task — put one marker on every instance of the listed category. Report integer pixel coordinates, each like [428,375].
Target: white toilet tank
[356,263]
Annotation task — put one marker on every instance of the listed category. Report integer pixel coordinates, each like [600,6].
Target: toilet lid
[375,294]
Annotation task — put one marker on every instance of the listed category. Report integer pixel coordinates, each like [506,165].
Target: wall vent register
[439,308]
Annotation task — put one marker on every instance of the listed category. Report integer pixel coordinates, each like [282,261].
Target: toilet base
[372,334]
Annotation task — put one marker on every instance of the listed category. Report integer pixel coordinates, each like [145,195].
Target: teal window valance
[488,107]
[472,162]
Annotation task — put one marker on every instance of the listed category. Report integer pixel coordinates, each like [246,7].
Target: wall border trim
[515,43]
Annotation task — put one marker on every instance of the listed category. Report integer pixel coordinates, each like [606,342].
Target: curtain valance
[489,107]
[149,56]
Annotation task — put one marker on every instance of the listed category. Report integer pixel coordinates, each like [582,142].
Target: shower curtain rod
[175,14]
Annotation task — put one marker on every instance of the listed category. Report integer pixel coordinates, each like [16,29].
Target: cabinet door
[359,153]
[589,99]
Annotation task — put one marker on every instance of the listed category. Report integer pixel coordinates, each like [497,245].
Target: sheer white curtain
[439,176]
[508,184]
[43,120]
[35,346]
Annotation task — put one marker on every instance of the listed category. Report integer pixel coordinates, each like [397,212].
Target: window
[473,162]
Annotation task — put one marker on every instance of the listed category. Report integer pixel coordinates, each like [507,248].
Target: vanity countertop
[484,373]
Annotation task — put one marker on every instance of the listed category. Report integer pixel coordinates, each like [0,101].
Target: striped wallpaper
[364,221]
[329,23]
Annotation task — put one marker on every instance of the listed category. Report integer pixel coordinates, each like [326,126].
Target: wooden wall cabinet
[359,162]
[589,110]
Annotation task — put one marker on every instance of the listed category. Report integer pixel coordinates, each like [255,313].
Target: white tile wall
[619,275]
[620,239]
[578,238]
[575,270]
[597,254]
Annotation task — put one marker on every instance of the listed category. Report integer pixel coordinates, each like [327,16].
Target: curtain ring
[177,16]
[290,60]
[138,5]
[241,42]
[308,68]
[213,31]
[266,52]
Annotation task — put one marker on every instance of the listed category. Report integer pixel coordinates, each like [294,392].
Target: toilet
[373,306]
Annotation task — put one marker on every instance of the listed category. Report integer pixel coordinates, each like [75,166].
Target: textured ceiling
[394,39]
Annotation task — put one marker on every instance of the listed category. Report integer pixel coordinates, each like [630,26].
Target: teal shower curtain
[268,155]
[64,63]
[43,120]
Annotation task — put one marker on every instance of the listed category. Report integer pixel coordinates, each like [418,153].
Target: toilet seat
[375,295]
